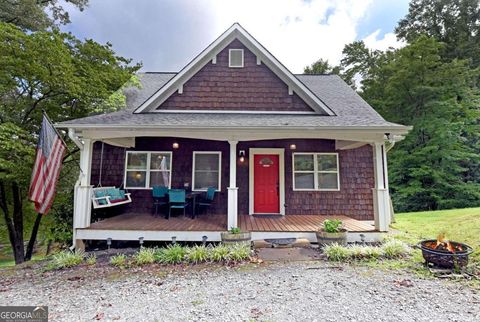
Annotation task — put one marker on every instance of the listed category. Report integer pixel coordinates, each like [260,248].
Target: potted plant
[331,232]
[235,235]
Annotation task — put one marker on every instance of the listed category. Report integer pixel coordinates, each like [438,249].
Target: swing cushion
[101,193]
[116,194]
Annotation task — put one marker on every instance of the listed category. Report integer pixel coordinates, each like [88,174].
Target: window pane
[303,162]
[160,161]
[327,162]
[327,181]
[206,161]
[160,178]
[137,161]
[304,181]
[203,180]
[136,179]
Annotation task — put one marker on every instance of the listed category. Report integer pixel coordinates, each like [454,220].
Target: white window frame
[230,55]
[315,171]
[219,153]
[147,170]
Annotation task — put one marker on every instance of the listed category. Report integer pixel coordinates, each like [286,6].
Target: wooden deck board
[288,223]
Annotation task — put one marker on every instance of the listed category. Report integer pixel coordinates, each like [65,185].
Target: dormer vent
[235,58]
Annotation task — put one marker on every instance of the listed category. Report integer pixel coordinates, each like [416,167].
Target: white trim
[373,236]
[147,170]
[259,61]
[180,89]
[219,153]
[290,91]
[232,204]
[235,112]
[281,178]
[230,58]
[214,60]
[315,171]
[235,32]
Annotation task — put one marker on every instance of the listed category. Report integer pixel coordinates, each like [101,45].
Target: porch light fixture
[175,145]
[241,154]
[293,146]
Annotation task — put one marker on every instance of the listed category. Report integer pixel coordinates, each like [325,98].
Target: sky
[164,35]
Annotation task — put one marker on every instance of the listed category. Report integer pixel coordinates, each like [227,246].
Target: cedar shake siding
[355,198]
[251,88]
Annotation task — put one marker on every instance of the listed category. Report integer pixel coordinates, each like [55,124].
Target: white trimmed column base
[232,221]
[381,202]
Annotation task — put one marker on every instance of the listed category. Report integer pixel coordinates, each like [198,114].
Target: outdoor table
[192,195]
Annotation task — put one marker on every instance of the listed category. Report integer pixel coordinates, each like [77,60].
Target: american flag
[48,162]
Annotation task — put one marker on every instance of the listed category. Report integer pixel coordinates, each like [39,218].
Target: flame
[445,244]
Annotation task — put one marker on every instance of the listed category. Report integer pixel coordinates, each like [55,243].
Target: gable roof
[234,32]
[351,111]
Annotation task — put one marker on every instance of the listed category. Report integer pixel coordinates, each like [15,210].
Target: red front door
[266,184]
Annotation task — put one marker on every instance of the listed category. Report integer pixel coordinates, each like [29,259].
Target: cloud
[165,35]
[389,40]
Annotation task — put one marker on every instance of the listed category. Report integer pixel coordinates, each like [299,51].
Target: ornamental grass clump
[91,259]
[144,256]
[173,254]
[239,252]
[66,259]
[219,253]
[395,249]
[337,253]
[119,260]
[197,254]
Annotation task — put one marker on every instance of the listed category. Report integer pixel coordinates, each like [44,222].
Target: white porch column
[381,197]
[232,188]
[83,189]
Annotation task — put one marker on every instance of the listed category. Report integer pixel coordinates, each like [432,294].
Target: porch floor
[288,223]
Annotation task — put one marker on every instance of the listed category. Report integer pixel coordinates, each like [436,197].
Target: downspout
[79,144]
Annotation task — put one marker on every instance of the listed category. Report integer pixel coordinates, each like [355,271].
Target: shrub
[395,248]
[219,253]
[91,259]
[235,230]
[197,254]
[119,260]
[332,225]
[372,252]
[67,259]
[336,252]
[144,256]
[239,252]
[173,254]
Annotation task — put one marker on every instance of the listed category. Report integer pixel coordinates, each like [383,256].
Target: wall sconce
[293,146]
[241,154]
[175,145]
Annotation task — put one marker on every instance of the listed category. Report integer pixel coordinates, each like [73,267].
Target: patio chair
[207,200]
[176,200]
[159,194]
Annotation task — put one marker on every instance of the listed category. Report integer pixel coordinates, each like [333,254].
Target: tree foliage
[322,67]
[57,73]
[37,15]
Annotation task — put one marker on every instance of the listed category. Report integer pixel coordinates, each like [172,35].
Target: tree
[453,22]
[322,67]
[36,15]
[415,86]
[55,72]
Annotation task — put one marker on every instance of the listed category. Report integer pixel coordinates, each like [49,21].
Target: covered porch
[132,226]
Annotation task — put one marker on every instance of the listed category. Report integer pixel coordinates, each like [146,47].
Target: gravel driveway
[295,291]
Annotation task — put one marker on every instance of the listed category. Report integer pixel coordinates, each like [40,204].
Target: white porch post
[232,188]
[82,203]
[381,197]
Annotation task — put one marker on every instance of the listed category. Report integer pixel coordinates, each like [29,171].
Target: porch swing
[105,197]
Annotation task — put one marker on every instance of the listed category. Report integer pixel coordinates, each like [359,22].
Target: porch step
[281,243]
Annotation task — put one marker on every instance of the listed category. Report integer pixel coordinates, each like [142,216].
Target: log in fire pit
[444,253]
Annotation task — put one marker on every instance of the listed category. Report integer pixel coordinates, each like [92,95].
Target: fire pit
[444,253]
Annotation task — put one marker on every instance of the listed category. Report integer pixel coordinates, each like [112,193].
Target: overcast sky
[166,34]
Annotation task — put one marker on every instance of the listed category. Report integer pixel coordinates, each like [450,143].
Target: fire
[443,244]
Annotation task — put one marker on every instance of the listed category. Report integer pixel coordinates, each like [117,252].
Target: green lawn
[461,225]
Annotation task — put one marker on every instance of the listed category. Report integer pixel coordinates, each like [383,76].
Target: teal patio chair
[207,200]
[159,194]
[176,200]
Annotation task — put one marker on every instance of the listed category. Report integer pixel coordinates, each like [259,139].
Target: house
[283,151]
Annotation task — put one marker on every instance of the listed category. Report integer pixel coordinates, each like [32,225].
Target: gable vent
[235,58]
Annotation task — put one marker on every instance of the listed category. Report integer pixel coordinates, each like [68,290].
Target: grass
[461,225]
[67,259]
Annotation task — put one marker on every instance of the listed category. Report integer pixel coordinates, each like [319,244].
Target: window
[315,171]
[235,58]
[148,169]
[206,170]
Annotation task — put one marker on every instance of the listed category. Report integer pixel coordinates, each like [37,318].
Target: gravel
[294,291]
